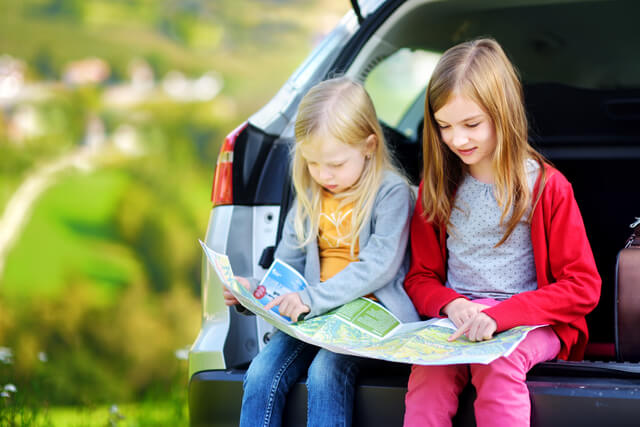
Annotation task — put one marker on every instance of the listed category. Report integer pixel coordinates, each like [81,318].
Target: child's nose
[325,174]
[460,138]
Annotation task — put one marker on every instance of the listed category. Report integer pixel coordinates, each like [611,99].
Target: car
[581,74]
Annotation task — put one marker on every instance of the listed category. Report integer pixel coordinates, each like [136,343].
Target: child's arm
[379,260]
[569,283]
[426,277]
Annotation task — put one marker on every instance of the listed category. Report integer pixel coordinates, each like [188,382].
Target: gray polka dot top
[477,269]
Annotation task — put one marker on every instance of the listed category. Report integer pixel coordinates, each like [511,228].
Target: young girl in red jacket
[497,241]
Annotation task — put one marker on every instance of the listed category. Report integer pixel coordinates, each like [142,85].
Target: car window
[396,86]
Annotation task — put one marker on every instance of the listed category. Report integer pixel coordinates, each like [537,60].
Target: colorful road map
[365,328]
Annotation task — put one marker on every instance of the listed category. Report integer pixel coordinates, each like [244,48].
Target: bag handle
[634,240]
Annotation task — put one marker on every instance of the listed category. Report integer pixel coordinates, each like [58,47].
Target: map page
[366,328]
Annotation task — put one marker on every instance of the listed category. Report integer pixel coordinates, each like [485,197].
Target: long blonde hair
[480,71]
[342,109]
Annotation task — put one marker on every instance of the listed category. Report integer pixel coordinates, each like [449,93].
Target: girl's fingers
[459,318]
[482,328]
[477,328]
[274,302]
[292,307]
[471,332]
[461,330]
[229,299]
[285,307]
[490,328]
[301,309]
[295,314]
[289,305]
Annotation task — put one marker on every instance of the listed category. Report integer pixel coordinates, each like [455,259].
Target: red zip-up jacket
[568,281]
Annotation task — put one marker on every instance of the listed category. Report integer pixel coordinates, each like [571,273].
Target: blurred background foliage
[111,117]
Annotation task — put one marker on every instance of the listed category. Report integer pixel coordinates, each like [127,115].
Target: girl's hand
[480,327]
[289,305]
[461,310]
[229,299]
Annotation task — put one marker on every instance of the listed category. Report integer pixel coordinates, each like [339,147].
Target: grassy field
[151,412]
[101,287]
[159,413]
[74,213]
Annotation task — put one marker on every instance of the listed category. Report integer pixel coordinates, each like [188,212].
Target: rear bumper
[577,397]
[215,399]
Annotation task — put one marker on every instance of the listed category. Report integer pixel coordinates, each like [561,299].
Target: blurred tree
[43,64]
[69,9]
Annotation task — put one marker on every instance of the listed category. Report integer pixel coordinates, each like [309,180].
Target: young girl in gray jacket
[347,235]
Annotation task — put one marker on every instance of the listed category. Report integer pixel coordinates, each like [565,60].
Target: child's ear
[370,144]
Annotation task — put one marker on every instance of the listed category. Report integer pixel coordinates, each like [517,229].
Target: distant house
[141,75]
[180,88]
[24,123]
[86,71]
[11,77]
[140,86]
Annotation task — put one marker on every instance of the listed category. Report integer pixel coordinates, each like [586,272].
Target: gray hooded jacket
[383,257]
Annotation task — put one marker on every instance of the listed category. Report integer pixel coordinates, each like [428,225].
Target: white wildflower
[114,415]
[6,355]
[5,394]
[42,356]
[10,387]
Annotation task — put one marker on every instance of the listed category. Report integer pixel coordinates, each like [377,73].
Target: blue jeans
[277,368]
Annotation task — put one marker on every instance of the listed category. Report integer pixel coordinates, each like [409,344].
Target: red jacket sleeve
[568,281]
[425,280]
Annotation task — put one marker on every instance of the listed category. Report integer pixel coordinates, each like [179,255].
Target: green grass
[147,413]
[69,235]
[159,413]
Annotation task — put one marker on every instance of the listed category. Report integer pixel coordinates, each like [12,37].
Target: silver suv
[581,72]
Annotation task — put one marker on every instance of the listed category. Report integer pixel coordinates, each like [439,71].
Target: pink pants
[503,396]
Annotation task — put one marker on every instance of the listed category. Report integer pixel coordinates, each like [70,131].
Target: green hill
[103,278]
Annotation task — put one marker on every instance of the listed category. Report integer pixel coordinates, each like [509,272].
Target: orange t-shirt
[334,224]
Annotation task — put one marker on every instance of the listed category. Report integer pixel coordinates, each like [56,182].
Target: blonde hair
[480,71]
[342,109]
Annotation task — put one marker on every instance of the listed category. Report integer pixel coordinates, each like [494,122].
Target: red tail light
[222,191]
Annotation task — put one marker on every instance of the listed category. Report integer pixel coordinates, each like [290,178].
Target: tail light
[222,191]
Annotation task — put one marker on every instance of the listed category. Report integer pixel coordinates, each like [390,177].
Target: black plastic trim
[564,399]
[254,153]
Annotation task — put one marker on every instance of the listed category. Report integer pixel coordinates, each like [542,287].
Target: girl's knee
[330,370]
[262,372]
[499,377]
[320,371]
[255,377]
[438,375]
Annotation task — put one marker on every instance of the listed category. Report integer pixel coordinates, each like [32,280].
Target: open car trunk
[586,123]
[598,152]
